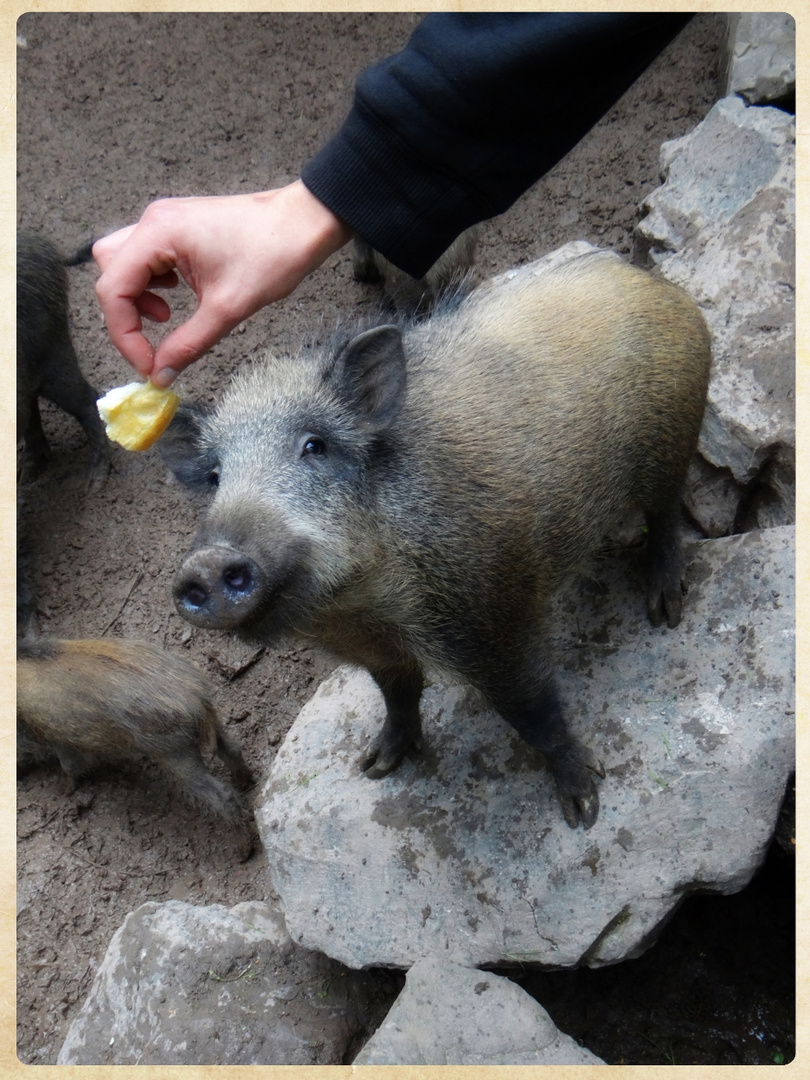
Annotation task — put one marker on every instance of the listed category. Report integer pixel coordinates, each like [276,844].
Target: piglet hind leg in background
[412,497]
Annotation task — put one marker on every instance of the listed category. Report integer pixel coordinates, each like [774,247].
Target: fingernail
[165,377]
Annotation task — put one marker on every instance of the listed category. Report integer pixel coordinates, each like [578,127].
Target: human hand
[237,252]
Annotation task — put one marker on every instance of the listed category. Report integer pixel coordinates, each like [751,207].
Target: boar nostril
[195,595]
[238,578]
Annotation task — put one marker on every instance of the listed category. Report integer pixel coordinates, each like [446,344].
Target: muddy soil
[115,110]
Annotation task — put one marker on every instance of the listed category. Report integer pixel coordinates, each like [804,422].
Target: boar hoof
[386,751]
[573,773]
[97,475]
[242,777]
[666,603]
[244,845]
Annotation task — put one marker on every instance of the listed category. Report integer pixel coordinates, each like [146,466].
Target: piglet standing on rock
[91,701]
[412,497]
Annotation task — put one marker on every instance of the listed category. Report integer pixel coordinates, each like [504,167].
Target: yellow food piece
[136,415]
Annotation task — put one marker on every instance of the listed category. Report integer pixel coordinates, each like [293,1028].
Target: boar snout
[218,588]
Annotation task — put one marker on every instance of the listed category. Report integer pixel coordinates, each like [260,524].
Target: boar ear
[370,372]
[179,446]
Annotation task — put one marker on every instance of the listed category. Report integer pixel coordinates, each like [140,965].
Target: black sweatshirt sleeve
[475,109]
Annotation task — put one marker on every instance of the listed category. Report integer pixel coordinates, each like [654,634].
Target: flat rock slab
[186,985]
[464,854]
[452,1015]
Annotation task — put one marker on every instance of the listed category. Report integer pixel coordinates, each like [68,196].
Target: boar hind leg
[665,565]
[188,768]
[74,765]
[231,756]
[540,721]
[364,265]
[402,730]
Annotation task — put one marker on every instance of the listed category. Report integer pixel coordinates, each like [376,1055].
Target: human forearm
[475,109]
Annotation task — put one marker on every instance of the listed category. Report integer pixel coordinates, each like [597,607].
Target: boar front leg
[402,731]
[35,452]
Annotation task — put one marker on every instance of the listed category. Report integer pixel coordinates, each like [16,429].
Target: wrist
[333,230]
[312,231]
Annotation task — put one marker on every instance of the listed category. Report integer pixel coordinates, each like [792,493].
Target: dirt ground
[115,110]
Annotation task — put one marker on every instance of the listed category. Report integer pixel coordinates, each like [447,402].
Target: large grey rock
[762,56]
[452,1015]
[464,854]
[185,985]
[723,226]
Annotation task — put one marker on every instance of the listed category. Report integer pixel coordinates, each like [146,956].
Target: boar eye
[213,476]
[314,446]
